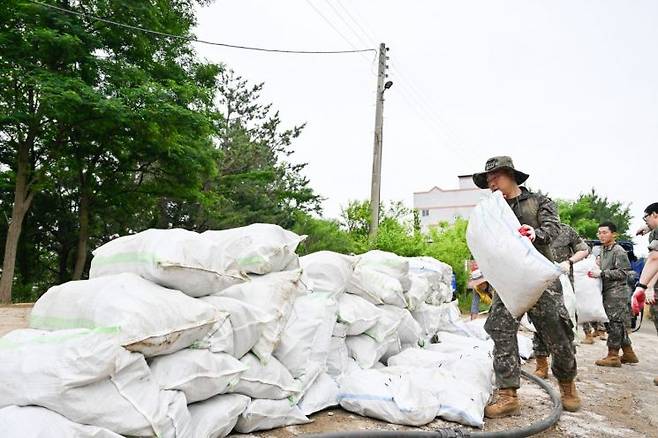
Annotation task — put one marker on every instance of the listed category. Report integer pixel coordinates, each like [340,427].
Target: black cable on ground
[531,429]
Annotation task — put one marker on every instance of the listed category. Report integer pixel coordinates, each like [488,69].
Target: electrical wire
[196,40]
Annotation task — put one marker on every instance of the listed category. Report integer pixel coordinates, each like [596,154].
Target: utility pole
[375,189]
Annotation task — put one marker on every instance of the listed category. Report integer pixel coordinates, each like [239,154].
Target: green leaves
[590,209]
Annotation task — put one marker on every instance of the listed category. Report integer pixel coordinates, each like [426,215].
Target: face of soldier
[651,220]
[605,235]
[502,180]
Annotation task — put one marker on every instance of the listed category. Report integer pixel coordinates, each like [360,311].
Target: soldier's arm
[621,267]
[549,221]
[578,246]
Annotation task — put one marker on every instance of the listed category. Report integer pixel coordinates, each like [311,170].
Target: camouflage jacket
[539,212]
[615,271]
[567,243]
[653,240]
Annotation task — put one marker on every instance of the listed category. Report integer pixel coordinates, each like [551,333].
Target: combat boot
[570,398]
[506,405]
[629,355]
[589,339]
[601,334]
[611,360]
[542,367]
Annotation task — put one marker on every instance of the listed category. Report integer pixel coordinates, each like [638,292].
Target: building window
[425,213]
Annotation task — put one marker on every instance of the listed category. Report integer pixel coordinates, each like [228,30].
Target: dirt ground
[616,401]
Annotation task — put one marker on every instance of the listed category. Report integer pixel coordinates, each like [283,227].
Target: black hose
[532,429]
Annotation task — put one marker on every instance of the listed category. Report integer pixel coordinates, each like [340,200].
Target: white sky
[568,88]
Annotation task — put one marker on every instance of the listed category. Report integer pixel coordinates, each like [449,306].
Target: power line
[329,22]
[196,40]
[340,16]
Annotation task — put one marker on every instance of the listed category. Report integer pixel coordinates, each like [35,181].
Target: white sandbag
[526,324]
[149,318]
[589,298]
[435,271]
[89,378]
[305,339]
[376,287]
[274,294]
[509,261]
[38,422]
[306,380]
[356,313]
[569,301]
[245,326]
[459,376]
[199,374]
[367,351]
[418,292]
[269,414]
[330,272]
[381,278]
[442,294]
[387,263]
[386,326]
[177,259]
[526,350]
[258,248]
[409,331]
[429,318]
[338,358]
[321,395]
[387,395]
[270,381]
[220,339]
[216,417]
[340,330]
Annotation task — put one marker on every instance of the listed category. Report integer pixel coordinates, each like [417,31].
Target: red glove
[637,302]
[527,231]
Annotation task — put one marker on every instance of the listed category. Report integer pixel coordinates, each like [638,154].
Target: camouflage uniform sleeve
[576,243]
[549,221]
[621,266]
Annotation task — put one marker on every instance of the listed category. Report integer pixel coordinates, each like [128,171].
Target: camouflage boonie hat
[496,163]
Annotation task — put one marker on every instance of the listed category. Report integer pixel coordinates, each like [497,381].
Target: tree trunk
[63,262]
[22,200]
[83,236]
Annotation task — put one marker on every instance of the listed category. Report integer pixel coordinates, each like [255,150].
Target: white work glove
[650,296]
[565,267]
[594,273]
[528,231]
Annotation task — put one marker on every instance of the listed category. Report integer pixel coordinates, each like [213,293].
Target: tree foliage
[590,209]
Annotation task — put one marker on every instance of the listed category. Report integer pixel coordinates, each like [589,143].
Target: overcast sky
[568,88]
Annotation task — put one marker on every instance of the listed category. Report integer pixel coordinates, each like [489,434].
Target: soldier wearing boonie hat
[541,224]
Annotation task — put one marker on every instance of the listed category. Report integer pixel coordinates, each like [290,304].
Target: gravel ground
[616,401]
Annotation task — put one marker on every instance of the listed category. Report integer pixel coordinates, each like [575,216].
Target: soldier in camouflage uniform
[538,214]
[645,290]
[615,268]
[568,248]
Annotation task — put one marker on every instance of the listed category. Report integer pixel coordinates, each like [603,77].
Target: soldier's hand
[642,230]
[565,267]
[638,300]
[650,296]
[528,231]
[594,273]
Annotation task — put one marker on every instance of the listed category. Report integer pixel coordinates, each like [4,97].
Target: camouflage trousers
[619,319]
[589,327]
[654,312]
[553,325]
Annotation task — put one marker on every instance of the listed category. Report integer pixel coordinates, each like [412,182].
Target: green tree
[106,114]
[590,209]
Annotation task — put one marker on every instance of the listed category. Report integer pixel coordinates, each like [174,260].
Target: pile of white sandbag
[180,334]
